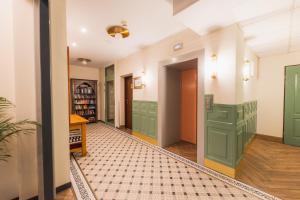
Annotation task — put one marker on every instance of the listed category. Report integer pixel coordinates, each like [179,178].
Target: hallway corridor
[119,166]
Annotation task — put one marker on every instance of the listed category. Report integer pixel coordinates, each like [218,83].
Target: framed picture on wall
[138,83]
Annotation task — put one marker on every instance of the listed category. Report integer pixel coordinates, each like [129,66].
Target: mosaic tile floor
[119,166]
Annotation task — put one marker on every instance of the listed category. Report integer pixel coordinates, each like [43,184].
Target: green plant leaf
[9,127]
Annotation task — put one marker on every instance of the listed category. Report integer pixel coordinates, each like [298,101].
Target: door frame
[43,75]
[125,106]
[284,100]
[198,54]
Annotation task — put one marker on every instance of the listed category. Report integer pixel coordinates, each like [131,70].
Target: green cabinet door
[292,106]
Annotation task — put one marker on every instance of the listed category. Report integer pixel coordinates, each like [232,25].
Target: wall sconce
[213,72]
[247,70]
[140,81]
[143,79]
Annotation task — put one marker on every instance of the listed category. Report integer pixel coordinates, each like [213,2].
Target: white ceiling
[270,26]
[148,21]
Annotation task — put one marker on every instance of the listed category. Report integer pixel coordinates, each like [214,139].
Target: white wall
[25,90]
[8,170]
[17,79]
[223,43]
[59,87]
[90,73]
[271,92]
[245,90]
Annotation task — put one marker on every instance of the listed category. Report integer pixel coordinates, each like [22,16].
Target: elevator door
[189,105]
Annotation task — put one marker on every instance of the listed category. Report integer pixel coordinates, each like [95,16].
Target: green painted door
[292,106]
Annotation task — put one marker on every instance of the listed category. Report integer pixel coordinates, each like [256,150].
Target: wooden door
[292,106]
[189,105]
[128,102]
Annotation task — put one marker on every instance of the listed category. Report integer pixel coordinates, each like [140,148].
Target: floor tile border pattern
[254,191]
[81,187]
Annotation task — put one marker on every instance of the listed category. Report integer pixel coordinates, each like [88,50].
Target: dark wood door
[128,102]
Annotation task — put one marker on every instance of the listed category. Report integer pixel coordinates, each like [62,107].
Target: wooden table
[77,122]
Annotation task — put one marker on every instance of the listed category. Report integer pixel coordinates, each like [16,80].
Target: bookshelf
[84,98]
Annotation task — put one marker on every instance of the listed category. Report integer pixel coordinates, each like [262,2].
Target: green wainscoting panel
[144,118]
[220,133]
[228,130]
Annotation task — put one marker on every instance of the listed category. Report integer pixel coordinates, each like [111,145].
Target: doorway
[110,95]
[292,106]
[181,106]
[128,102]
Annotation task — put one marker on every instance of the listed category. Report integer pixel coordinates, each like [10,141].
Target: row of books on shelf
[85,101]
[85,107]
[85,112]
[92,119]
[84,90]
[84,96]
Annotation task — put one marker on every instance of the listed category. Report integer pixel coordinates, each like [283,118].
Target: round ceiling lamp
[118,31]
[84,61]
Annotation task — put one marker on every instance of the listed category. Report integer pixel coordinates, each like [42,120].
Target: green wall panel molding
[144,118]
[228,130]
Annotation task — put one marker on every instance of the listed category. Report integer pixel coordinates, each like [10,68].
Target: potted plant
[9,127]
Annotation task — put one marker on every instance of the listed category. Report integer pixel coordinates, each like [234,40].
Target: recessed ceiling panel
[207,15]
[279,47]
[266,23]
[249,9]
[295,31]
[270,35]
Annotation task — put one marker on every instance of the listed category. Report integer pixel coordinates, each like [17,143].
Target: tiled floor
[121,167]
[184,149]
[67,194]
[126,130]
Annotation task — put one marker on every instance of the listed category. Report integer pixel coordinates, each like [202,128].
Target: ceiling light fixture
[74,44]
[84,61]
[118,31]
[247,70]
[83,30]
[177,46]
